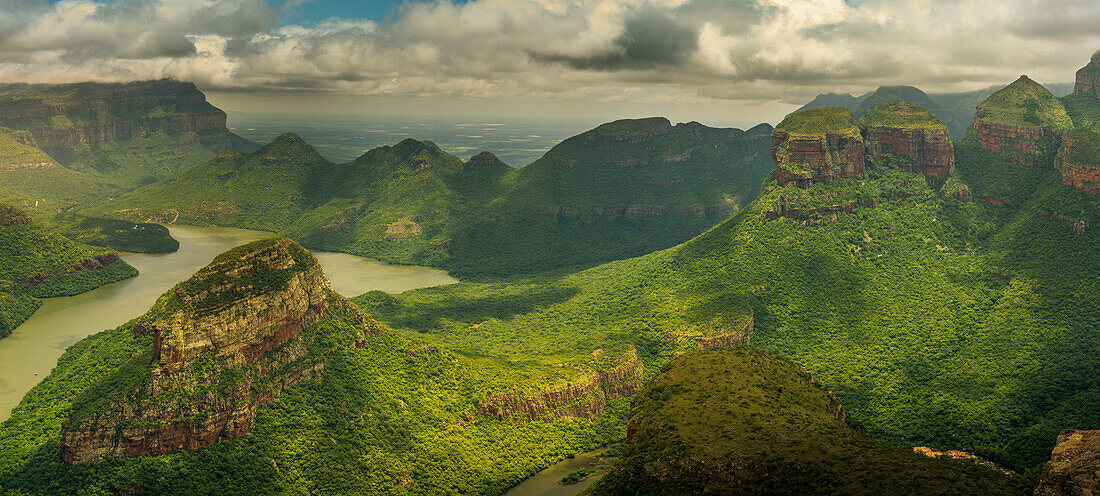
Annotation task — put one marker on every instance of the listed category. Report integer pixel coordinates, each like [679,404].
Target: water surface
[32,350]
[548,482]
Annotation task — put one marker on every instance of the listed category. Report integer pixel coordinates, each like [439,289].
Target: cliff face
[585,399]
[225,343]
[1074,466]
[907,137]
[68,115]
[1079,160]
[1023,122]
[817,145]
[1087,83]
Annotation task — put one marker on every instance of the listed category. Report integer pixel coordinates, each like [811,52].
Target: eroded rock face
[1023,122]
[1087,83]
[225,343]
[109,112]
[907,137]
[585,399]
[1074,466]
[817,145]
[1078,162]
[1027,145]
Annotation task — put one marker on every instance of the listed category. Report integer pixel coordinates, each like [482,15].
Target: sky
[726,61]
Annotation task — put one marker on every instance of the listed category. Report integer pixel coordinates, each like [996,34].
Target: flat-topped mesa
[907,137]
[225,343]
[1087,84]
[633,130]
[1074,465]
[1022,122]
[1079,160]
[70,114]
[817,145]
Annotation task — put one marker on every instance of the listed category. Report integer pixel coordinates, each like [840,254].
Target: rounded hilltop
[1024,103]
[899,114]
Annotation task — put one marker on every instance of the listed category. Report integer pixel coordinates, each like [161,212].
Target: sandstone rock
[225,343]
[961,456]
[1087,83]
[907,137]
[1022,122]
[1079,160]
[584,399]
[1074,466]
[817,145]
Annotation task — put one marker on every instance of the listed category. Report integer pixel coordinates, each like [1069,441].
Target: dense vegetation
[737,421]
[623,189]
[900,114]
[36,262]
[391,416]
[936,321]
[1085,112]
[956,110]
[1025,103]
[833,120]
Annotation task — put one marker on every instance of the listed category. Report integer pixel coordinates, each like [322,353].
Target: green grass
[1025,103]
[818,122]
[1085,112]
[738,421]
[901,115]
[1086,147]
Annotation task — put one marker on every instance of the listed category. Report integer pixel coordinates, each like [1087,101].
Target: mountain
[738,421]
[938,317]
[905,136]
[1022,121]
[817,145]
[620,190]
[38,263]
[80,143]
[253,377]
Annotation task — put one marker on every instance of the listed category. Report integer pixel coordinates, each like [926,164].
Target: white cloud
[581,50]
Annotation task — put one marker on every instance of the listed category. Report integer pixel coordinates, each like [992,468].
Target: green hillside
[900,114]
[623,189]
[737,421]
[1025,103]
[36,262]
[935,321]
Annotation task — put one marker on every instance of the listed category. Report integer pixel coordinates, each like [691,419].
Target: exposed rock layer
[1087,83]
[1027,145]
[1083,176]
[1074,466]
[828,156]
[225,343]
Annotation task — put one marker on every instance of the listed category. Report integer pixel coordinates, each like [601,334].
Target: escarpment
[92,113]
[1087,82]
[1022,122]
[223,344]
[1074,467]
[1079,160]
[907,137]
[586,398]
[817,145]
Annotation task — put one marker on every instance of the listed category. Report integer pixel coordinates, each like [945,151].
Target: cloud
[664,51]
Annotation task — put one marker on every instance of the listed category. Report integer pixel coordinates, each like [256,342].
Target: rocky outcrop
[483,158]
[586,398]
[90,113]
[736,337]
[98,262]
[1074,466]
[959,456]
[1087,84]
[224,344]
[817,145]
[1079,160]
[632,130]
[907,137]
[1022,122]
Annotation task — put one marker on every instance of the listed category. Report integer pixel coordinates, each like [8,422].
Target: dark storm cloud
[649,38]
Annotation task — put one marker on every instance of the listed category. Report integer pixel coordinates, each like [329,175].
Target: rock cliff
[817,145]
[1087,83]
[91,113]
[224,344]
[1079,160]
[586,398]
[907,137]
[1022,122]
[1074,466]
